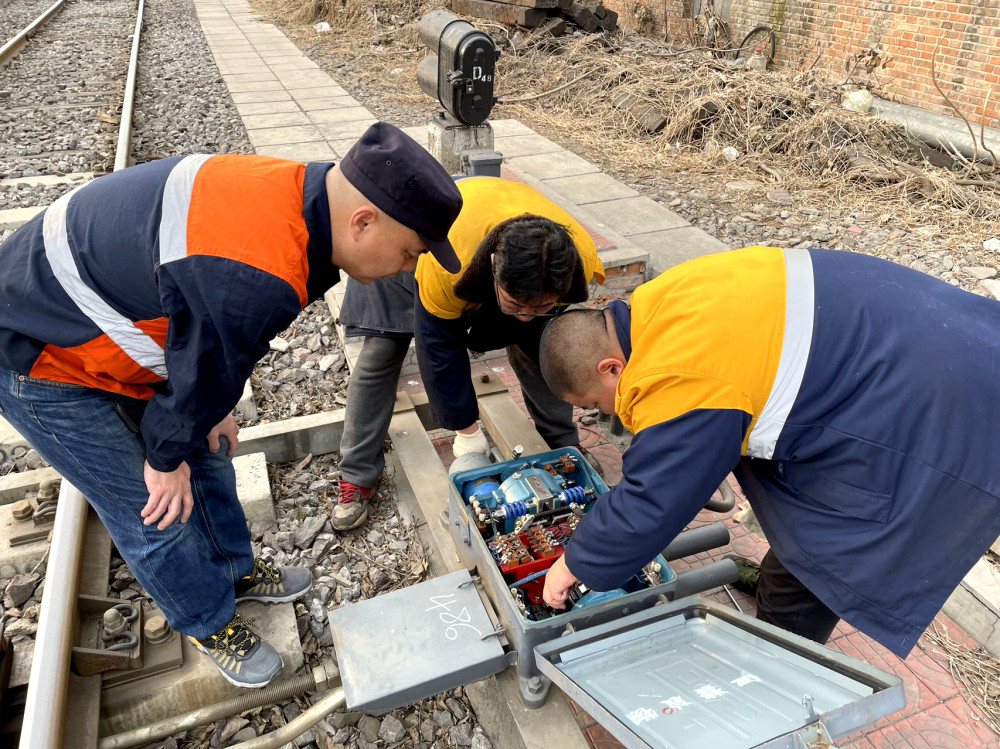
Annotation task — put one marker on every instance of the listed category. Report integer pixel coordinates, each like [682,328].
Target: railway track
[64,94]
[17,14]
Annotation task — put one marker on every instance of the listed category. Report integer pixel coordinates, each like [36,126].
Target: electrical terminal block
[509,550]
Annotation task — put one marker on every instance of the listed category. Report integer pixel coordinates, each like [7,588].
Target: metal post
[45,705]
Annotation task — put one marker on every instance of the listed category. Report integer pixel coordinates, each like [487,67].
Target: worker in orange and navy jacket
[522,258]
[132,311]
[857,401]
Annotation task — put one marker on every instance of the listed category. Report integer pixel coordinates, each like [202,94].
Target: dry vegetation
[788,126]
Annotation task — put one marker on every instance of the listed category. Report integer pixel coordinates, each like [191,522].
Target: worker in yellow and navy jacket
[856,400]
[132,312]
[522,259]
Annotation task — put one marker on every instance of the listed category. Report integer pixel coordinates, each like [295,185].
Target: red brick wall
[968,60]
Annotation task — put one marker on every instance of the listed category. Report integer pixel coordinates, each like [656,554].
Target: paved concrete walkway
[293,109]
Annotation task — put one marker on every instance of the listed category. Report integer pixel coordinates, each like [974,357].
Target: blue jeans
[189,569]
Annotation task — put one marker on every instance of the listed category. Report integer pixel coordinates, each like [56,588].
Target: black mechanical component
[460,72]
[761,36]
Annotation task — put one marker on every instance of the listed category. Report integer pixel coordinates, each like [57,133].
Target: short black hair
[570,349]
[534,257]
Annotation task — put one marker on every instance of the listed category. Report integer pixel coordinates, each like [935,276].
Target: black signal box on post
[460,73]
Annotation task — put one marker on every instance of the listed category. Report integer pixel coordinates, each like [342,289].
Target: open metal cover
[395,649]
[692,674]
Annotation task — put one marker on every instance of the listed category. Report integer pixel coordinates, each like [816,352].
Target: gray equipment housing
[526,635]
[693,674]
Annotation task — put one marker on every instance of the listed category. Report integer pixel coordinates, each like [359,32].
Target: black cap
[401,178]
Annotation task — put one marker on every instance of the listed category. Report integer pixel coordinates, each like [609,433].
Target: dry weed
[787,126]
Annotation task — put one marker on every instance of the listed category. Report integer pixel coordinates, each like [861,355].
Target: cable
[544,93]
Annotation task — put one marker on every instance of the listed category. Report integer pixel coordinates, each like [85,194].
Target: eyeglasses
[526,312]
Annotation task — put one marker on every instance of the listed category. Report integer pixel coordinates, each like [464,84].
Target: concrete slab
[524,145]
[975,605]
[233,47]
[261,33]
[342,146]
[304,78]
[272,136]
[316,92]
[340,131]
[250,58]
[551,165]
[328,102]
[253,488]
[276,48]
[254,86]
[495,698]
[230,69]
[12,218]
[672,246]
[267,107]
[621,256]
[237,78]
[510,127]
[340,115]
[419,133]
[589,188]
[257,97]
[281,57]
[14,486]
[291,439]
[640,215]
[275,119]
[239,57]
[198,682]
[20,559]
[312,151]
[302,64]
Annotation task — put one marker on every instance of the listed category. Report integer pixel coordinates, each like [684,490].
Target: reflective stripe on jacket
[458,312]
[865,394]
[165,281]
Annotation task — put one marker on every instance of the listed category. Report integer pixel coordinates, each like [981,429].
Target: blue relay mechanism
[511,520]
[526,511]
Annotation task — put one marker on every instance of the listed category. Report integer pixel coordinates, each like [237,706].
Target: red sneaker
[351,509]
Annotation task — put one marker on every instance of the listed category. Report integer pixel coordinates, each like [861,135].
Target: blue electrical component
[530,484]
[573,494]
[484,490]
[594,597]
[514,509]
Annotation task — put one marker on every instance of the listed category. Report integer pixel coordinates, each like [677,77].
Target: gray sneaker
[240,654]
[269,583]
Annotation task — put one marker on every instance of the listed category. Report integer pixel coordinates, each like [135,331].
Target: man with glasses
[523,259]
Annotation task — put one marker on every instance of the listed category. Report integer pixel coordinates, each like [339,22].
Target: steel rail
[42,725]
[321,679]
[123,149]
[8,50]
[45,704]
